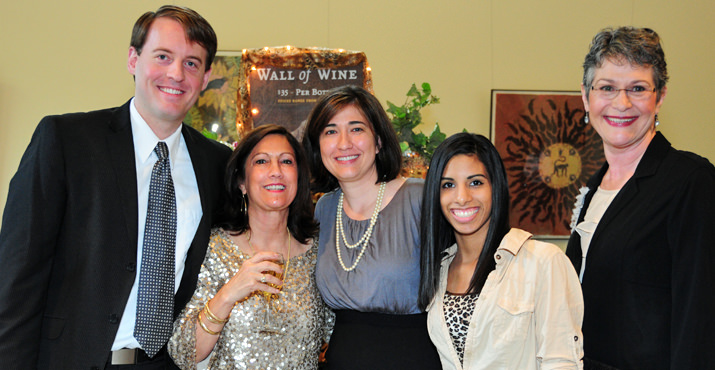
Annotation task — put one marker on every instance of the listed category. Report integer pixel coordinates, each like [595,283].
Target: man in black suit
[73,226]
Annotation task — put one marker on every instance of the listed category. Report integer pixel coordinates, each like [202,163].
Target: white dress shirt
[188,209]
[528,315]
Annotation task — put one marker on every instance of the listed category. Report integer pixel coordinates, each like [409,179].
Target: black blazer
[68,244]
[649,283]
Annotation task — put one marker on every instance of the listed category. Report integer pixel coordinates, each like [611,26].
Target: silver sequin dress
[305,320]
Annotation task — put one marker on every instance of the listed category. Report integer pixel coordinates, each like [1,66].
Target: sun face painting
[549,153]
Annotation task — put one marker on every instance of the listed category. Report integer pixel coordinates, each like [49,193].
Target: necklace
[287,262]
[365,237]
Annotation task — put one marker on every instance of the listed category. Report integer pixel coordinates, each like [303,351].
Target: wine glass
[269,326]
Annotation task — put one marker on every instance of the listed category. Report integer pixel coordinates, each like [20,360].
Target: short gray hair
[637,46]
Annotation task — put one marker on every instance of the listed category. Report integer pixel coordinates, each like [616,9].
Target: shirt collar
[514,240]
[145,140]
[512,243]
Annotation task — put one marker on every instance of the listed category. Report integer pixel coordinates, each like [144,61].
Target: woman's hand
[255,274]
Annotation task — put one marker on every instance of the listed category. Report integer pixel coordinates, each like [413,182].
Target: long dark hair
[436,234]
[388,160]
[300,212]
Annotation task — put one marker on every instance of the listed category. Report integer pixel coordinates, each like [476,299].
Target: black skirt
[365,340]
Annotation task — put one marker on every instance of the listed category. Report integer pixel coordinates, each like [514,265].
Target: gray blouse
[387,277]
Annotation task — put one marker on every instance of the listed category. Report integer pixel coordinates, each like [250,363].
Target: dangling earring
[657,122]
[244,207]
[585,118]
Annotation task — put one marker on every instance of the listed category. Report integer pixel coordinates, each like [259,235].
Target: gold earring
[244,206]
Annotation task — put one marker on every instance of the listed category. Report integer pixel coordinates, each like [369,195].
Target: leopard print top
[458,310]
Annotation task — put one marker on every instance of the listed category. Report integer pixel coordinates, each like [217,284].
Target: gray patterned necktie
[155,301]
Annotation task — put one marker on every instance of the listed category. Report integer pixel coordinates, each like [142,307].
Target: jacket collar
[512,243]
[648,165]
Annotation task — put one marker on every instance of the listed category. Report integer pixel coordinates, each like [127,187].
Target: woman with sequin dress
[269,221]
[368,258]
[496,298]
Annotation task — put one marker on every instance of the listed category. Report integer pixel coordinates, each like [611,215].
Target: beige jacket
[528,315]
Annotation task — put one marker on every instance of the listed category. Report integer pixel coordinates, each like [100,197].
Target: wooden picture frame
[549,153]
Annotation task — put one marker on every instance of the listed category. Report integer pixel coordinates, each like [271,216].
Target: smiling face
[271,178]
[623,122]
[466,197]
[169,75]
[348,147]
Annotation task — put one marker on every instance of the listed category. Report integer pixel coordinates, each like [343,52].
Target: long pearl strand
[365,238]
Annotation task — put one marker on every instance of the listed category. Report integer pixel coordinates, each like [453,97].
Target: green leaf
[391,108]
[419,139]
[413,91]
[209,134]
[406,117]
[437,134]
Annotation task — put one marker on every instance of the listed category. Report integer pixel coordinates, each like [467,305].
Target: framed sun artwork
[549,153]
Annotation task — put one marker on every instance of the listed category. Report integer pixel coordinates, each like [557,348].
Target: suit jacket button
[95,367]
[131,267]
[113,319]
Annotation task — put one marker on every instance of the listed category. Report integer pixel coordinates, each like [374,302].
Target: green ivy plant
[406,117]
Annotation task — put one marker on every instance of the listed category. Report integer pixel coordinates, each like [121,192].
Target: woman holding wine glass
[368,258]
[256,305]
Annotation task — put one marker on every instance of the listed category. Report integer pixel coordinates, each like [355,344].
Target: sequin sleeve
[328,323]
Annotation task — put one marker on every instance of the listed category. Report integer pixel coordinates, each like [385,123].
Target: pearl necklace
[365,238]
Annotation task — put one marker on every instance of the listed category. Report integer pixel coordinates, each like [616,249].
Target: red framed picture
[549,153]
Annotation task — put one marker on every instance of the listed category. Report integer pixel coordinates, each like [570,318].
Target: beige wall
[71,55]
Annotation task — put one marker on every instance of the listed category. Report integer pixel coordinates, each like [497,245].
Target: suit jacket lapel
[120,148]
[196,252]
[197,157]
[648,165]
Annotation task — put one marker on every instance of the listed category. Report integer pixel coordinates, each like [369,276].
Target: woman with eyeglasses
[643,239]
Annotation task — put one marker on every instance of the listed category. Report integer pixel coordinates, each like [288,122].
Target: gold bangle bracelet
[211,317]
[203,326]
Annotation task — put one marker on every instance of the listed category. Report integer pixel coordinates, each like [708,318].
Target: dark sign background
[281,85]
[281,96]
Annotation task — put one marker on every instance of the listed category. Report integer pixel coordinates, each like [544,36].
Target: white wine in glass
[269,326]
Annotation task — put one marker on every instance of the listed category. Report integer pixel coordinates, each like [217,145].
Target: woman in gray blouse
[368,258]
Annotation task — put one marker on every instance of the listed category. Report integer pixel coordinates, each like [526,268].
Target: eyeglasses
[609,92]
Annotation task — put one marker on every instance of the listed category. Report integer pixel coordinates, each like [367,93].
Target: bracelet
[203,326]
[211,317]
